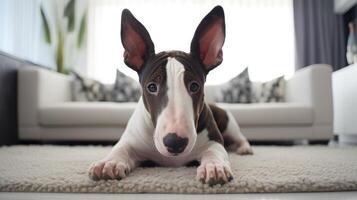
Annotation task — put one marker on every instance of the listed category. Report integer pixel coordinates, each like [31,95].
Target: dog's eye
[152,88]
[194,87]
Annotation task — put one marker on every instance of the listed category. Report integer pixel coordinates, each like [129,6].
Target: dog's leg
[215,167]
[233,135]
[116,165]
[234,140]
[124,156]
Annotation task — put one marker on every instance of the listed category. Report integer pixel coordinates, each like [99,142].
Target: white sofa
[46,111]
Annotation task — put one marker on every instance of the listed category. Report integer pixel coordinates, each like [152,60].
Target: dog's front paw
[214,173]
[110,169]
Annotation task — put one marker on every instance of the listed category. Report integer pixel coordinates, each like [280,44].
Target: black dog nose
[174,143]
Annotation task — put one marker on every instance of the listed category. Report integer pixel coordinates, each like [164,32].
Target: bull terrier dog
[172,125]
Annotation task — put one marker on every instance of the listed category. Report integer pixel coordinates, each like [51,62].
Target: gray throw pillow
[85,89]
[237,90]
[271,91]
[125,89]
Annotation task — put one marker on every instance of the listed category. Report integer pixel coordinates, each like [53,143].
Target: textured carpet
[270,169]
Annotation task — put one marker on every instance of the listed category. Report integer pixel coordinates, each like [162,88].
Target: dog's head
[172,82]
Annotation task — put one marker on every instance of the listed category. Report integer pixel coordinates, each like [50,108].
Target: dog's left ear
[136,41]
[209,38]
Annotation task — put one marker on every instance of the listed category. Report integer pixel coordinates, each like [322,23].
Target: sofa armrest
[38,87]
[312,86]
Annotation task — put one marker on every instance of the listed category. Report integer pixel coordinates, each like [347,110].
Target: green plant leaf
[69,12]
[82,31]
[45,26]
[60,53]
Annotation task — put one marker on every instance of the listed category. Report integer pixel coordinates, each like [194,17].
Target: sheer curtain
[20,31]
[259,35]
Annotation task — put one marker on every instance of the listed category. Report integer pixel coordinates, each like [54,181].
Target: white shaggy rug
[270,169]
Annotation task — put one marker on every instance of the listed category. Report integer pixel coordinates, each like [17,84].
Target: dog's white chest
[176,161]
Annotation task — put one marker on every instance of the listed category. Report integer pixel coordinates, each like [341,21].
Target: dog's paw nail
[106,177]
[211,182]
[94,178]
[221,181]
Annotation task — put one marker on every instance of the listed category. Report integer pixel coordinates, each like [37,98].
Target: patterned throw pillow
[271,91]
[85,89]
[237,90]
[125,89]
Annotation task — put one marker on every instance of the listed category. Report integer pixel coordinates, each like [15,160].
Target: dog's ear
[136,41]
[209,38]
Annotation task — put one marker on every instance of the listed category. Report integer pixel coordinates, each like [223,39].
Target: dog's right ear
[136,41]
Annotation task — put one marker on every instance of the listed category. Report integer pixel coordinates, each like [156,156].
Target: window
[259,35]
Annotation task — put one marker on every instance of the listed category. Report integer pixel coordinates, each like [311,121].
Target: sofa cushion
[86,114]
[118,114]
[270,113]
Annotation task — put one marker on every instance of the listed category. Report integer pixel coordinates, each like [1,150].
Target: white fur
[177,117]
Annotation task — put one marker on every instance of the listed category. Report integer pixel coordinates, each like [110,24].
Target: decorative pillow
[85,89]
[237,90]
[125,89]
[271,91]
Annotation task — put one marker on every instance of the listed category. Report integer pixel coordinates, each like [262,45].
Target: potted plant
[64,26]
